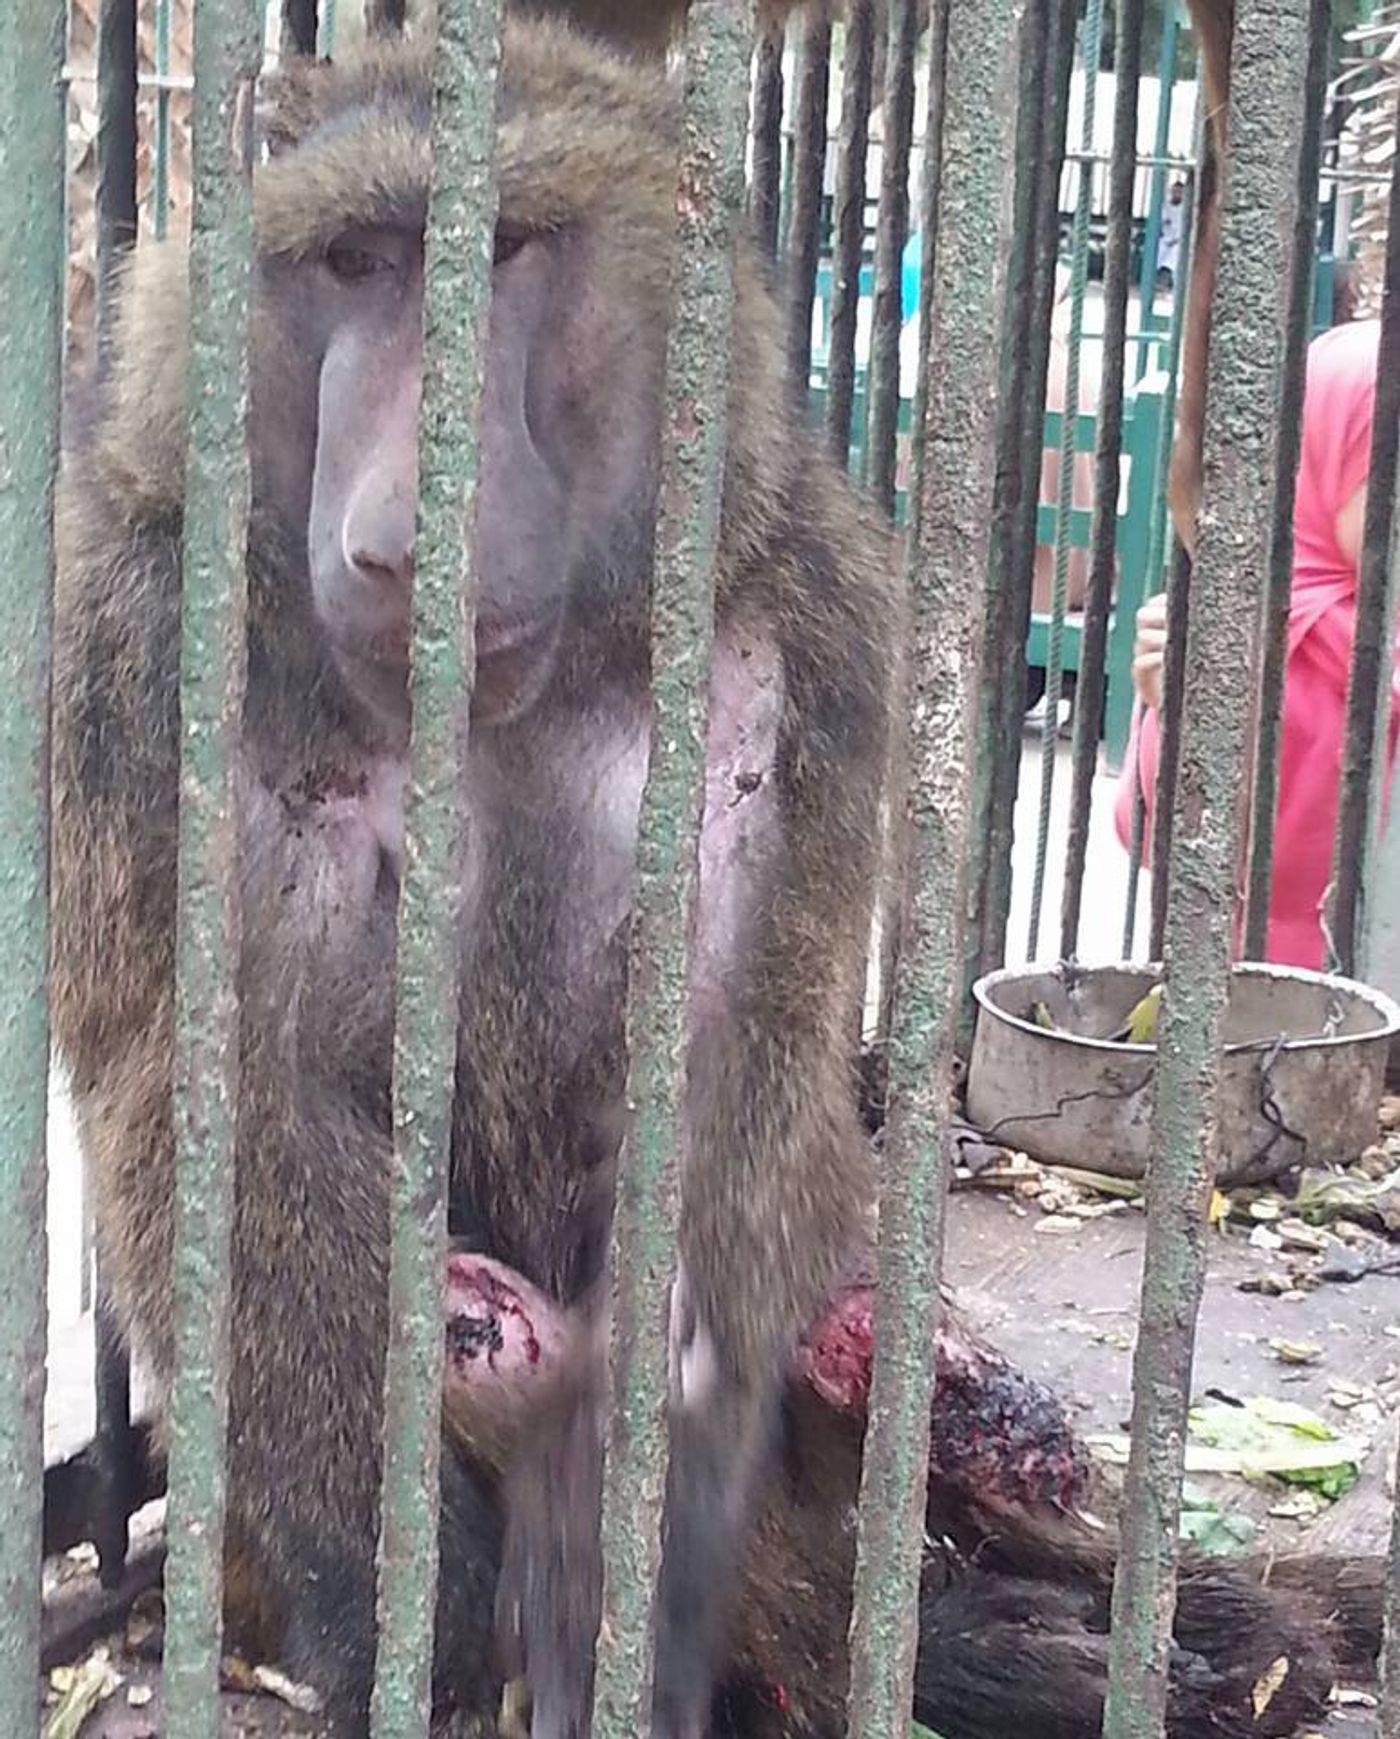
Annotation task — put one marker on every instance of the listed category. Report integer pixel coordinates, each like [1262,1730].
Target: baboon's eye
[352,263]
[510,238]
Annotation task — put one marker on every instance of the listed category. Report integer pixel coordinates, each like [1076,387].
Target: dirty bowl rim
[1384,1006]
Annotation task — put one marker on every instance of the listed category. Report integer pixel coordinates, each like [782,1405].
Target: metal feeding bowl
[1304,1073]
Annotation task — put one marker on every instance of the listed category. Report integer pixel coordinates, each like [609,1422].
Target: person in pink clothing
[1329,513]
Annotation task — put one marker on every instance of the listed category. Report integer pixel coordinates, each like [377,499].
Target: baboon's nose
[378,538]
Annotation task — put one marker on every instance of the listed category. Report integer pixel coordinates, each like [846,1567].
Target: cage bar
[1054,656]
[946,565]
[805,213]
[32,246]
[116,235]
[848,224]
[1279,586]
[1108,441]
[1008,702]
[458,248]
[891,233]
[1372,662]
[1234,533]
[766,192]
[709,202]
[160,147]
[227,55]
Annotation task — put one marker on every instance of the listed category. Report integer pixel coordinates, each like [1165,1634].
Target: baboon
[1013,1605]
[777,1182]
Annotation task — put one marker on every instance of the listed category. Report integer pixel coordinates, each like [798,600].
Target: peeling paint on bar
[892,231]
[1235,531]
[1108,440]
[457,291]
[848,224]
[227,54]
[709,200]
[947,566]
[31,279]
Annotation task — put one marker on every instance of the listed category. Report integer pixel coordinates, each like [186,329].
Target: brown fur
[779,1149]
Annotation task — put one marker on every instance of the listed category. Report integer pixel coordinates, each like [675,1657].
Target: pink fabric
[1337,408]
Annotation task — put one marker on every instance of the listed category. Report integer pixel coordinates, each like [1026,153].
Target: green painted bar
[1059,593]
[160,149]
[1235,531]
[459,246]
[227,52]
[709,201]
[891,233]
[31,286]
[947,565]
[1279,587]
[1089,694]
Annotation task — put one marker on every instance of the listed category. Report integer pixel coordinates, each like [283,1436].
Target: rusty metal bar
[1373,659]
[848,224]
[892,232]
[805,216]
[1279,586]
[765,195]
[227,55]
[1235,530]
[1169,740]
[1002,651]
[1388,1726]
[32,248]
[116,151]
[160,146]
[947,565]
[458,248]
[116,235]
[642,1256]
[1008,707]
[299,26]
[893,867]
[1054,656]
[385,17]
[1108,440]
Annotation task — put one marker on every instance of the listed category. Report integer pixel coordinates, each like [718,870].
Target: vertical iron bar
[765,197]
[893,867]
[892,232]
[160,150]
[458,246]
[116,234]
[1169,739]
[1009,700]
[116,152]
[385,17]
[1372,660]
[848,224]
[1054,656]
[1152,230]
[947,566]
[325,29]
[1278,590]
[1135,843]
[1235,528]
[227,53]
[1108,440]
[1002,651]
[642,1255]
[32,248]
[805,218]
[1388,1726]
[298,27]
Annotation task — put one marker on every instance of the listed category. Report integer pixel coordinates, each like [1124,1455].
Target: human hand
[1149,650]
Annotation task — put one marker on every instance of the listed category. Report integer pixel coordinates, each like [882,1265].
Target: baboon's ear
[286,109]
